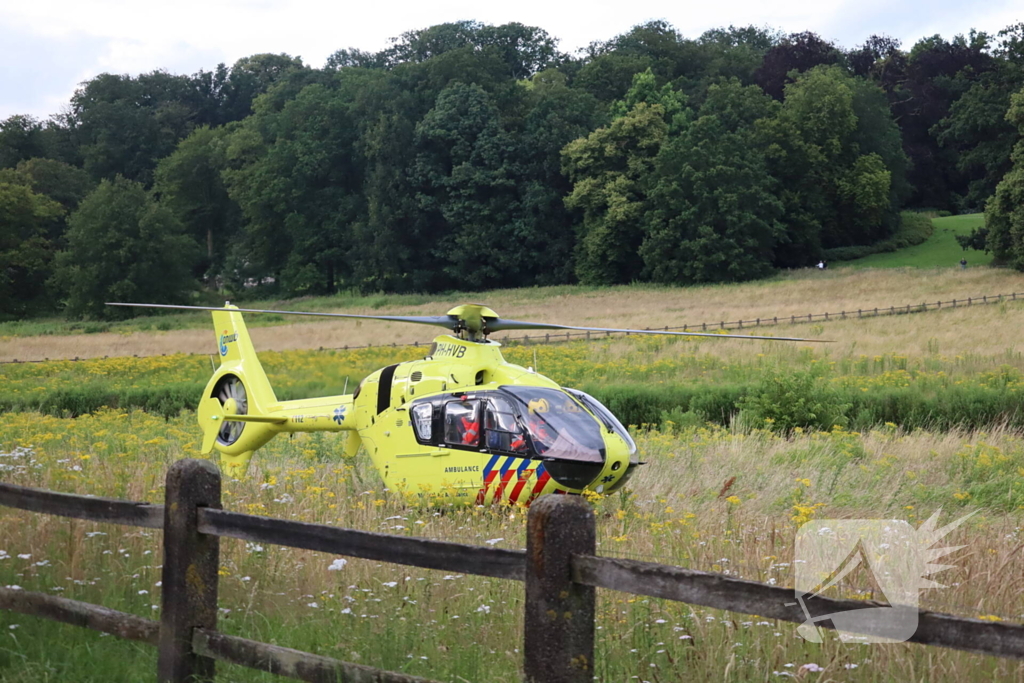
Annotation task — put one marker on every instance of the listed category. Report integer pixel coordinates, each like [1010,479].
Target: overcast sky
[47,47]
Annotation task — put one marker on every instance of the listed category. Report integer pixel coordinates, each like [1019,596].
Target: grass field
[719,497]
[679,510]
[795,293]
[939,251]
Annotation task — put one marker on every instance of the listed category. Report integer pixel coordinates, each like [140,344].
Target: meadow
[709,498]
[940,250]
[797,292]
[744,441]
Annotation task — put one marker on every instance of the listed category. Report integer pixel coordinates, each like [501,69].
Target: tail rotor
[230,391]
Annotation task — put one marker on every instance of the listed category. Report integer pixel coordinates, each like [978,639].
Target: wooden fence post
[558,639]
[191,561]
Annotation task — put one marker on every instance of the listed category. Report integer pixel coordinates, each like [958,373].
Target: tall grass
[643,381]
[679,509]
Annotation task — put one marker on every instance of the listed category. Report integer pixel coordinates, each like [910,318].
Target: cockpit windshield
[606,416]
[557,424]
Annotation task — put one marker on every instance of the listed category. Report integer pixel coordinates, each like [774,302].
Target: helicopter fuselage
[461,426]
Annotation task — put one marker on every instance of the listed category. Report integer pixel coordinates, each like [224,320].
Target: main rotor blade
[501,324]
[446,321]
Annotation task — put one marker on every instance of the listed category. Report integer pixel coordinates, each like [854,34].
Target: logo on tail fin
[226,339]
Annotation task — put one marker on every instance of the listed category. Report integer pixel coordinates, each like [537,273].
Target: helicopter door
[502,431]
[462,424]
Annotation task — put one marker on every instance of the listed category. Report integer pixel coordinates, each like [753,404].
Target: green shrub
[784,401]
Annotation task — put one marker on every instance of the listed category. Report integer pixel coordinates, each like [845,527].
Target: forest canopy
[470,156]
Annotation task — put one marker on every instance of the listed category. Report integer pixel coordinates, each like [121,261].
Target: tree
[611,173]
[299,187]
[1004,211]
[21,137]
[868,59]
[25,251]
[796,52]
[189,183]
[608,77]
[976,128]
[61,182]
[714,215]
[123,246]
[252,76]
[736,52]
[124,125]
[937,73]
[832,164]
[467,189]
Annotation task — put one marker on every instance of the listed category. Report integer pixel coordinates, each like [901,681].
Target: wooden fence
[554,337]
[559,567]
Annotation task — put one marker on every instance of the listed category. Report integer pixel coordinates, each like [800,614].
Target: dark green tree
[21,137]
[714,215]
[25,251]
[189,183]
[61,182]
[797,52]
[467,189]
[976,128]
[124,125]
[611,173]
[937,73]
[298,186]
[252,76]
[123,246]
[1004,212]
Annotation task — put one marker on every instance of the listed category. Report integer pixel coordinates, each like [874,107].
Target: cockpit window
[608,418]
[557,425]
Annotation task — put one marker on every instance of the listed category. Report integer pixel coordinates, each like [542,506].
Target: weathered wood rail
[560,570]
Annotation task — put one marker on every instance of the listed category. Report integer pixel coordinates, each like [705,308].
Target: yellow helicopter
[461,426]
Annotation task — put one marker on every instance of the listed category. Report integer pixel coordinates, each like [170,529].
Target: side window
[503,432]
[423,421]
[462,423]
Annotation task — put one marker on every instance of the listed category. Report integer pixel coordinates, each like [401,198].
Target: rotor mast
[471,321]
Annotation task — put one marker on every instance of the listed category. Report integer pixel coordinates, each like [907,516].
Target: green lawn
[940,250]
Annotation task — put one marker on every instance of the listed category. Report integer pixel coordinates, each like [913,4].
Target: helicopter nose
[617,469]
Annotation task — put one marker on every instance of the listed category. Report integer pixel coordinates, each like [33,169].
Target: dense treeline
[467,156]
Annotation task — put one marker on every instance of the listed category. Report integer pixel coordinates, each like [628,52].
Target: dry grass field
[798,293]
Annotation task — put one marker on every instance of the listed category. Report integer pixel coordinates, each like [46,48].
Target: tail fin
[237,353]
[238,387]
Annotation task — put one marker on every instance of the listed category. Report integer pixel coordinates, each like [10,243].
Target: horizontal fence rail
[549,337]
[89,508]
[290,663]
[415,552]
[95,617]
[560,570]
[749,597]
